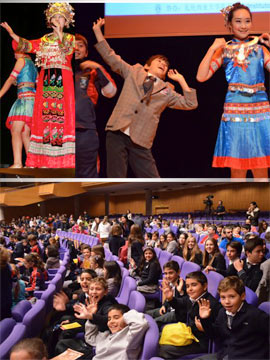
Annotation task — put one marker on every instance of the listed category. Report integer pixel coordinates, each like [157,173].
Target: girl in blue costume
[19,119]
[243,141]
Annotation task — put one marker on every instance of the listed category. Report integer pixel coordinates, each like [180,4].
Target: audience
[87,299]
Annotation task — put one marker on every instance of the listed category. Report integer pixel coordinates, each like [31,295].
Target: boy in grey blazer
[132,126]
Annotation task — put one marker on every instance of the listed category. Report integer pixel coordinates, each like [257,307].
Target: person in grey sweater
[125,336]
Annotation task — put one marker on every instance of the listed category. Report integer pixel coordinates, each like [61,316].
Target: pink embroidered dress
[52,142]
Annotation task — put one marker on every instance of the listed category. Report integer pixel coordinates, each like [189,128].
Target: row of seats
[27,319]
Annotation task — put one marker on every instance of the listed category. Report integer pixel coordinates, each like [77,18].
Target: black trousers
[86,153]
[121,151]
[175,352]
[77,345]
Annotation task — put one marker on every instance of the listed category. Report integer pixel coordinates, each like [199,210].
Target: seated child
[32,239]
[122,341]
[191,251]
[113,275]
[98,250]
[196,287]
[249,269]
[38,274]
[53,261]
[96,263]
[64,312]
[166,314]
[28,349]
[124,338]
[84,260]
[241,329]
[233,252]
[212,259]
[18,286]
[101,301]
[148,272]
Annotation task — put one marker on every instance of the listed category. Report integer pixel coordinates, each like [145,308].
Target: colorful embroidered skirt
[244,136]
[52,142]
[21,110]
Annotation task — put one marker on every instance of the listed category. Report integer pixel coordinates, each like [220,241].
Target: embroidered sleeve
[26,46]
[67,45]
[216,61]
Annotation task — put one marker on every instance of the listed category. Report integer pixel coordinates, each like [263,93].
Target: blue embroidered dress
[22,109]
[244,135]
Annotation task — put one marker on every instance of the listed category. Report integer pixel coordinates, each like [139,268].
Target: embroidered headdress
[62,8]
[225,12]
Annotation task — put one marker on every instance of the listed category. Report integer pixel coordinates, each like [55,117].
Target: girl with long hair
[212,259]
[191,251]
[113,275]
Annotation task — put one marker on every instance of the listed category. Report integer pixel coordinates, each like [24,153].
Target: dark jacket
[18,251]
[150,274]
[184,304]
[253,216]
[247,339]
[136,251]
[115,242]
[197,259]
[250,276]
[100,318]
[219,263]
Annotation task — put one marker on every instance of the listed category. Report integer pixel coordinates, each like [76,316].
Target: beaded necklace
[239,52]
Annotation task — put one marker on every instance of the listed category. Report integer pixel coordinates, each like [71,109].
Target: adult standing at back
[253,213]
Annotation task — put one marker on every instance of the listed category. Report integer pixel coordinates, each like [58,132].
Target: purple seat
[6,327]
[57,281]
[164,257]
[120,263]
[158,252]
[128,284]
[136,301]
[151,338]
[188,267]
[18,333]
[174,229]
[34,319]
[213,279]
[265,306]
[47,296]
[52,271]
[223,251]
[201,246]
[197,236]
[179,260]
[124,272]
[251,297]
[20,310]
[156,295]
[62,271]
[161,231]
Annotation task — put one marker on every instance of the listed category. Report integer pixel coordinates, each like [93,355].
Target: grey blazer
[131,108]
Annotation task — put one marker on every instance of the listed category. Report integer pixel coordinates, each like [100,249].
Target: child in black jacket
[148,272]
[241,329]
[196,287]
[98,291]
